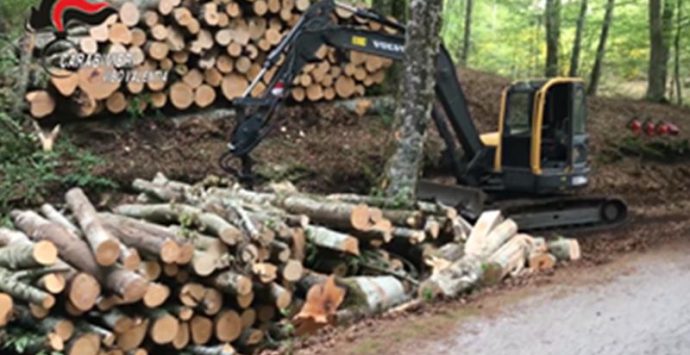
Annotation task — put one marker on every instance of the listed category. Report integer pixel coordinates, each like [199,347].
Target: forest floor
[325,149]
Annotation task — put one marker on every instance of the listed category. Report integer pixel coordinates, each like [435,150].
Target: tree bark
[676,60]
[467,33]
[577,44]
[660,27]
[553,35]
[421,50]
[601,49]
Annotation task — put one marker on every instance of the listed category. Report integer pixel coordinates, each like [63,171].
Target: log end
[84,291]
[156,295]
[45,253]
[132,260]
[64,329]
[170,251]
[84,345]
[228,326]
[135,289]
[164,329]
[186,254]
[54,283]
[55,342]
[292,271]
[107,252]
[360,217]
[6,308]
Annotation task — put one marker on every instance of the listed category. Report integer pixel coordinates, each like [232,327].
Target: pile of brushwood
[218,270]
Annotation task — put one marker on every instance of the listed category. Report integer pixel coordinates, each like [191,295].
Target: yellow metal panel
[498,162]
[492,139]
[538,119]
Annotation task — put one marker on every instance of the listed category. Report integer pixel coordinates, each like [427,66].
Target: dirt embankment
[323,148]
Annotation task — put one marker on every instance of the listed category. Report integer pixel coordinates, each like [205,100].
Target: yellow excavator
[530,169]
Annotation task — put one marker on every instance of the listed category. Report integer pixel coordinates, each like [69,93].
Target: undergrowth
[28,175]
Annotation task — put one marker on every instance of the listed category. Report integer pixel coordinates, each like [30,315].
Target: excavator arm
[317,28]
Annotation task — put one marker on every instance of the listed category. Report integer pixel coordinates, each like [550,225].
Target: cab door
[516,137]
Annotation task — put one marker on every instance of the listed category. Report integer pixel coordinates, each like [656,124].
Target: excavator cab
[541,145]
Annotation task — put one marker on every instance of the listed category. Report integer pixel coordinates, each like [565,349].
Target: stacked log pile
[210,51]
[211,270]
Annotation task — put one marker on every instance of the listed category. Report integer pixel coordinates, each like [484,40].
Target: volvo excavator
[531,168]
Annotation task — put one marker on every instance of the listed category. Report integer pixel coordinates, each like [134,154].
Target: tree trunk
[660,22]
[467,33]
[601,49]
[423,42]
[676,60]
[577,44]
[553,35]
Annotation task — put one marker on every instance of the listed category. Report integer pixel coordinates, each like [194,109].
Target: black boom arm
[299,47]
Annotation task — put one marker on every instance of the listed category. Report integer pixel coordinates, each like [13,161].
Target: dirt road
[643,311]
[637,304]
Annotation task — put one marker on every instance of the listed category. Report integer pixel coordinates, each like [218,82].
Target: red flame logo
[82,5]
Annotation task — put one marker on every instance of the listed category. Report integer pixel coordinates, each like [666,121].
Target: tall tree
[660,30]
[676,49]
[577,44]
[414,111]
[601,49]
[553,35]
[467,32]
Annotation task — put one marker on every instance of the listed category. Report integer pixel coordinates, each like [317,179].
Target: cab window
[579,112]
[519,113]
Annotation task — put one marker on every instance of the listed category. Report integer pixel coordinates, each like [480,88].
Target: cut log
[248,317]
[129,14]
[565,249]
[133,337]
[292,271]
[485,224]
[320,307]
[329,239]
[201,328]
[461,276]
[19,256]
[204,96]
[65,82]
[210,222]
[94,82]
[233,86]
[41,103]
[105,247]
[24,292]
[164,327]
[120,34]
[142,236]
[497,237]
[182,337]
[6,309]
[116,103]
[181,96]
[510,258]
[228,326]
[70,248]
[156,295]
[540,261]
[233,283]
[329,213]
